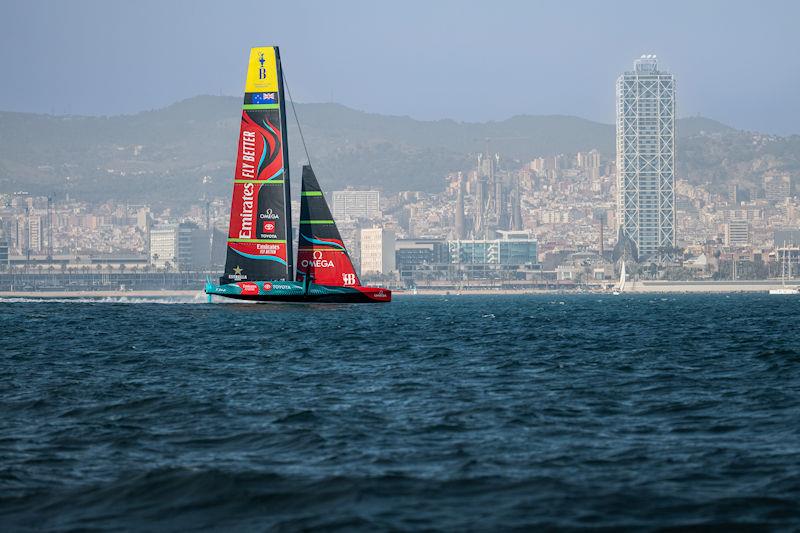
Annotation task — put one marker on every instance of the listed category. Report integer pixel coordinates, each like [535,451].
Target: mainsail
[321,255]
[260,234]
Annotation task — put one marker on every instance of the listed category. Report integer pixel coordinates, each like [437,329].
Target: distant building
[589,164]
[377,251]
[788,237]
[513,248]
[460,229]
[553,216]
[699,263]
[143,219]
[182,246]
[739,194]
[646,158]
[19,232]
[3,250]
[35,233]
[355,204]
[737,233]
[413,256]
[164,245]
[777,188]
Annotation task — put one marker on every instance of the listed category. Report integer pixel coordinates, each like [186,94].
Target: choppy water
[457,413]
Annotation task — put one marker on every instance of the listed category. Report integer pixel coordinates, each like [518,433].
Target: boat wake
[199,299]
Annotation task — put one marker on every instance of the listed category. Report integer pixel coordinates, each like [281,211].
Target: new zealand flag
[265,98]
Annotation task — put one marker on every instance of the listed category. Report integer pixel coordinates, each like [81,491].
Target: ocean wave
[198,499]
[604,415]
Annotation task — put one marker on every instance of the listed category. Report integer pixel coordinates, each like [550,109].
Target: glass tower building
[646,159]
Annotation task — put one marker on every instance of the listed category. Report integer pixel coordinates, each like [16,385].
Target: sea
[450,413]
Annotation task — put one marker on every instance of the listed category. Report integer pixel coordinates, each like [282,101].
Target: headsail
[321,254]
[260,233]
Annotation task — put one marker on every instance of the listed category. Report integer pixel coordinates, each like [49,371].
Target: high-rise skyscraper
[646,159]
[460,230]
[35,233]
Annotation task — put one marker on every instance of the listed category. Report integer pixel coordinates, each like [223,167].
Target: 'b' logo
[262,72]
[349,279]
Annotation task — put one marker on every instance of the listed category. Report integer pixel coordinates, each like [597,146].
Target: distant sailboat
[260,262]
[784,289]
[621,284]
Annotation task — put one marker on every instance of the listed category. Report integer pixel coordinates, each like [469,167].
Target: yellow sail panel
[262,70]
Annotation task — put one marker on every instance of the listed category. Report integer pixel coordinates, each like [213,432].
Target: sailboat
[621,284]
[260,262]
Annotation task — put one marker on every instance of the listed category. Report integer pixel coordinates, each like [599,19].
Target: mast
[287,200]
[783,266]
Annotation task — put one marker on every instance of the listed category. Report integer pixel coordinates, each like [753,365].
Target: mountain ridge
[162,154]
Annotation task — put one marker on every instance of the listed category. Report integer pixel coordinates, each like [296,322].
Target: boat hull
[293,291]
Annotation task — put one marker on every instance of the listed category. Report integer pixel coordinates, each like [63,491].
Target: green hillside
[161,155]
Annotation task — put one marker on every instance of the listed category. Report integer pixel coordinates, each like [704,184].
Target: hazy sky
[738,62]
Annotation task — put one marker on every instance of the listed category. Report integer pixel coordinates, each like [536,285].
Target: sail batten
[259,235]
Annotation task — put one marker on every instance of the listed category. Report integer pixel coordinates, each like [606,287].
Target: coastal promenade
[707,286]
[636,287]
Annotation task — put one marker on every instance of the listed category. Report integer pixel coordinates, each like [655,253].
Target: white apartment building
[737,233]
[377,251]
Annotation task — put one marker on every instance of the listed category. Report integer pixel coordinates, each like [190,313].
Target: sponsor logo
[269,215]
[316,261]
[267,286]
[262,72]
[269,249]
[380,294]
[237,274]
[268,225]
[246,231]
[248,155]
[248,287]
[349,279]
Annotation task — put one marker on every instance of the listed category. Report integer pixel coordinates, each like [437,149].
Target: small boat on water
[260,262]
[621,285]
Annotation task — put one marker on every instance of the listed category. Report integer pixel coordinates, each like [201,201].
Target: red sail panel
[326,266]
[260,155]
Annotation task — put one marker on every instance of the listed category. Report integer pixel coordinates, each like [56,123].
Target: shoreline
[639,287]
